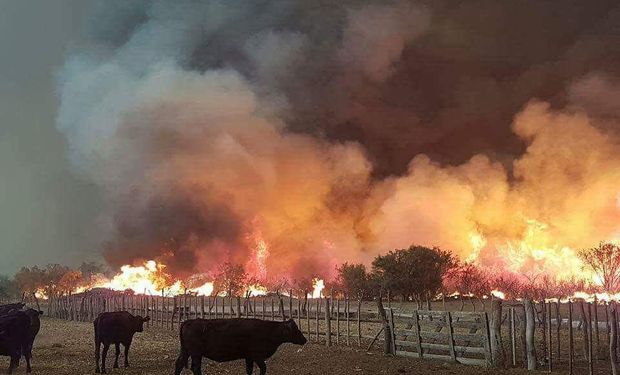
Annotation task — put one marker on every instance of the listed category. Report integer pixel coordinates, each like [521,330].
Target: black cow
[14,337]
[115,328]
[10,307]
[35,326]
[225,340]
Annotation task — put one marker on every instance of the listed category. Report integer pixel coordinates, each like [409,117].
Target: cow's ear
[146,319]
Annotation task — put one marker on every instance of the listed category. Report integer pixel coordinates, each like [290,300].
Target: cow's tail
[183,360]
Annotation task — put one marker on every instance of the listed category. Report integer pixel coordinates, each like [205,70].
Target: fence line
[569,337]
[314,316]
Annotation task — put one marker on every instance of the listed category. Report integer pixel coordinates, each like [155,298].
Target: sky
[44,208]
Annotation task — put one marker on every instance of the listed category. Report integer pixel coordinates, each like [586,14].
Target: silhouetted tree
[415,272]
[353,279]
[604,260]
[8,288]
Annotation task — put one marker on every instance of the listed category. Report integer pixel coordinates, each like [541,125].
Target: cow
[10,307]
[34,327]
[115,328]
[15,328]
[223,340]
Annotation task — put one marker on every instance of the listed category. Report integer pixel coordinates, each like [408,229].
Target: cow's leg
[181,361]
[127,345]
[14,363]
[117,346]
[262,366]
[97,356]
[197,364]
[104,354]
[28,356]
[249,366]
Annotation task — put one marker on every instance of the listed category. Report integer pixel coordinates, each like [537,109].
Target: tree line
[417,273]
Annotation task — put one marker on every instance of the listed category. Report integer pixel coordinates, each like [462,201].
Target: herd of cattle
[220,340]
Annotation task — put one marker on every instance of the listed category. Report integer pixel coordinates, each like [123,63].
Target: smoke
[335,132]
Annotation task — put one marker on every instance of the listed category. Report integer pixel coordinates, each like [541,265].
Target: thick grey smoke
[211,125]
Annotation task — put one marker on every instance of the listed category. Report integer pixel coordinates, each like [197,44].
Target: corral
[66,347]
[498,337]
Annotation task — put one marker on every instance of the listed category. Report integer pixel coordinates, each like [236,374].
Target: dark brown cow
[4,309]
[115,328]
[35,326]
[14,337]
[223,340]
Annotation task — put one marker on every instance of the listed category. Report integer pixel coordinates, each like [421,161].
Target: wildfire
[318,285]
[498,294]
[204,290]
[256,290]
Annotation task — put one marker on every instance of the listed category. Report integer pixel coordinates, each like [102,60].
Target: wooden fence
[328,320]
[419,333]
[573,338]
[461,337]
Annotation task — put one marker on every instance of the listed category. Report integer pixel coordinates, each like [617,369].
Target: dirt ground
[65,347]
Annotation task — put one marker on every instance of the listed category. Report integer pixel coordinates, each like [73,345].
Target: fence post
[337,320]
[238,307]
[488,355]
[448,317]
[359,321]
[613,342]
[418,331]
[549,341]
[497,349]
[570,338]
[328,324]
[558,320]
[590,341]
[387,327]
[530,325]
[392,331]
[513,332]
[290,304]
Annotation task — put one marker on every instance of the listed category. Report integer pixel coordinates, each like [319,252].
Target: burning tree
[230,278]
[467,280]
[604,260]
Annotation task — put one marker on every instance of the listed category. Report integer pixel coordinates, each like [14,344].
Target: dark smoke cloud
[199,118]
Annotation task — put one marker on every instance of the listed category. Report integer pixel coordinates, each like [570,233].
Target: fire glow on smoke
[217,146]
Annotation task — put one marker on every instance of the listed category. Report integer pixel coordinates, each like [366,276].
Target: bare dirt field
[65,347]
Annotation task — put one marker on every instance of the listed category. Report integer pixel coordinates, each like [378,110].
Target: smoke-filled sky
[189,131]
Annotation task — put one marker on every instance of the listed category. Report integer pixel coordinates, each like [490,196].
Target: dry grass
[65,347]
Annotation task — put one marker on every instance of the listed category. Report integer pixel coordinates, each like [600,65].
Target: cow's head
[293,334]
[139,323]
